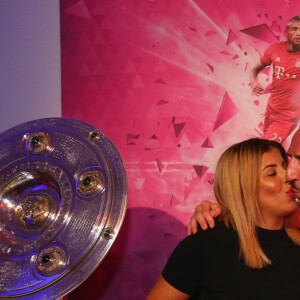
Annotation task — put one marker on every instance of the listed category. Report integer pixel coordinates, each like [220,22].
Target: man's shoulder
[277,46]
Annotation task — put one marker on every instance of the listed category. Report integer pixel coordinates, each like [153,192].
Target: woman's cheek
[271,186]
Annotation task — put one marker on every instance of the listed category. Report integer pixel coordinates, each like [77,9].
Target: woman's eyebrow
[269,166]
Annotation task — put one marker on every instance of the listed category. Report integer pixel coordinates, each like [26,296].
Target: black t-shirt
[207,266]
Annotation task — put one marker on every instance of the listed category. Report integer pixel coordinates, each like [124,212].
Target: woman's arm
[162,290]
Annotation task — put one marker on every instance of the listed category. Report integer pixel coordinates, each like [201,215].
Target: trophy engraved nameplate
[63,196]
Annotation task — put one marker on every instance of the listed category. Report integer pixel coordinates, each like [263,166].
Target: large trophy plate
[63,195]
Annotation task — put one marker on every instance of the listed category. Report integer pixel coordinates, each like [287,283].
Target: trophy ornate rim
[63,197]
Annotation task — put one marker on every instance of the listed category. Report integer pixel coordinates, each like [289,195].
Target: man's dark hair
[296,18]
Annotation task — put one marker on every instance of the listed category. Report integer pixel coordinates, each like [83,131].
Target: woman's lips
[291,193]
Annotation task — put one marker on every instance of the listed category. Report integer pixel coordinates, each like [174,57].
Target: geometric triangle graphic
[210,32]
[79,9]
[84,70]
[98,9]
[159,81]
[132,136]
[137,82]
[178,128]
[207,144]
[266,70]
[200,170]
[227,111]
[275,26]
[130,68]
[184,140]
[261,32]
[210,178]
[160,165]
[210,67]
[162,101]
[268,89]
[231,37]
[225,53]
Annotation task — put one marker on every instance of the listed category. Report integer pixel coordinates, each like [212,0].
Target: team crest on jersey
[297,64]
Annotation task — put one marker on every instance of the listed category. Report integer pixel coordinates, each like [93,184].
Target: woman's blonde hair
[236,187]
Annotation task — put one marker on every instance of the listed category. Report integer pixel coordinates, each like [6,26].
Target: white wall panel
[30,78]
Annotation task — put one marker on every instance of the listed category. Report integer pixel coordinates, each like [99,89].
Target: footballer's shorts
[278,126]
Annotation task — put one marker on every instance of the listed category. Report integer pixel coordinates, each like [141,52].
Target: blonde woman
[253,252]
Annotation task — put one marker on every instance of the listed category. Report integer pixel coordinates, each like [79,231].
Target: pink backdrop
[168,82]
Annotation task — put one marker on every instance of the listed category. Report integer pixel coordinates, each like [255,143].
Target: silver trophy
[63,196]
